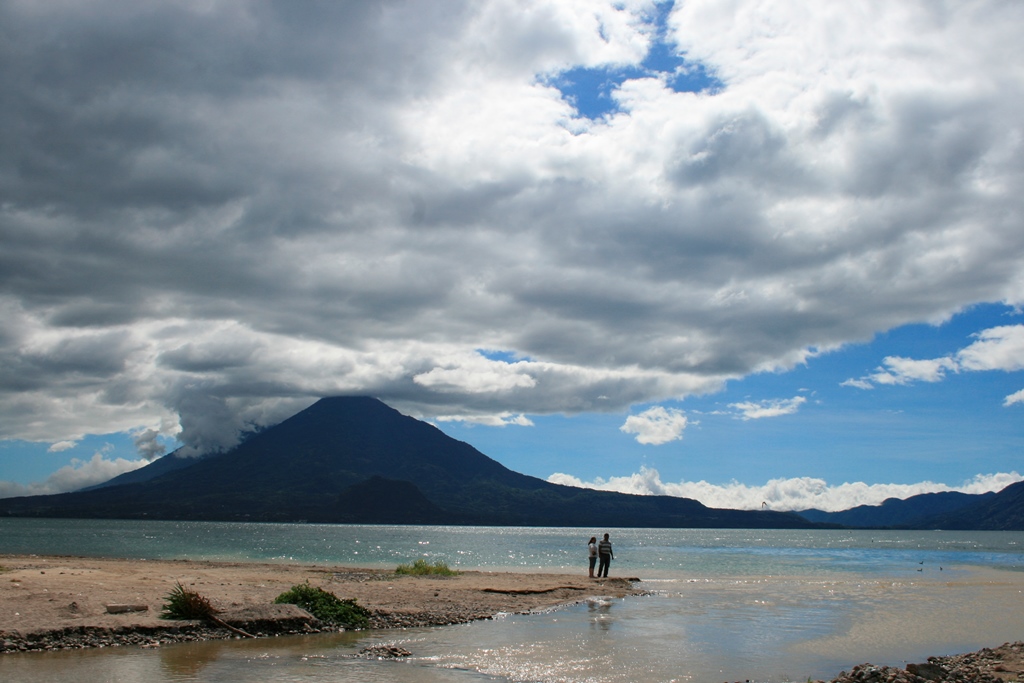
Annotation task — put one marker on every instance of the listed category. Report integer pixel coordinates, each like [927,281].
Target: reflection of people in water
[605,554]
[592,546]
[600,613]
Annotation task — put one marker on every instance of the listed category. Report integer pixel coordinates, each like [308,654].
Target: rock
[385,652]
[932,672]
[274,618]
[121,609]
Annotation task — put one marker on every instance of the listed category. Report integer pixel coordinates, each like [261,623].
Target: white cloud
[1016,397]
[997,348]
[802,493]
[500,420]
[905,370]
[340,198]
[776,407]
[61,446]
[656,426]
[78,475]
[477,375]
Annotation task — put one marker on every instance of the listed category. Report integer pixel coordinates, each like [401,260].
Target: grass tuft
[423,568]
[182,603]
[325,606]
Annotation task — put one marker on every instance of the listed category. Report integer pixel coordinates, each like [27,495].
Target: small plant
[183,603]
[423,568]
[325,606]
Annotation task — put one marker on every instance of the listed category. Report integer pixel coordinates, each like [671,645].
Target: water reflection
[185,663]
[600,612]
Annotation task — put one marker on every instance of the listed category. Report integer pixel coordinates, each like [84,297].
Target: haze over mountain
[356,460]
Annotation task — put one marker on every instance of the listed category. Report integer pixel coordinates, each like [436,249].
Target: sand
[41,595]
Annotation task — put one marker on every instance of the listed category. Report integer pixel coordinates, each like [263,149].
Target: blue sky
[731,252]
[944,432]
[591,89]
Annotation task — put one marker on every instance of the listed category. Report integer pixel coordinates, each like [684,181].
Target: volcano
[356,460]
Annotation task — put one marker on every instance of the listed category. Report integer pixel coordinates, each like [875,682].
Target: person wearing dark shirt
[605,555]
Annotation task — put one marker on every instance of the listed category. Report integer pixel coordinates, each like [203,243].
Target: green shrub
[183,603]
[325,606]
[423,568]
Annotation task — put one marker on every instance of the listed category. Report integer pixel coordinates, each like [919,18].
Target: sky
[748,252]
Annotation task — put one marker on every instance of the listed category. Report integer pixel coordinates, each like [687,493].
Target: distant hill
[895,512]
[356,460]
[1002,511]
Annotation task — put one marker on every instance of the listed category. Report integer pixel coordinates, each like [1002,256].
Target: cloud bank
[78,475]
[214,212]
[802,493]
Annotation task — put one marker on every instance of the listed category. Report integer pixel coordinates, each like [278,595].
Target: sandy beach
[74,596]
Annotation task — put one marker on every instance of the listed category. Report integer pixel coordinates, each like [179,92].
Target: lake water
[725,605]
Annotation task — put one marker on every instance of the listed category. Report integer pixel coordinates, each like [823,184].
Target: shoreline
[68,602]
[51,603]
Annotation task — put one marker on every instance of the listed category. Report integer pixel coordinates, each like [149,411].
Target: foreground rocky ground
[1004,663]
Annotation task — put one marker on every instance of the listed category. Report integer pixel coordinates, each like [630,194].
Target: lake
[765,605]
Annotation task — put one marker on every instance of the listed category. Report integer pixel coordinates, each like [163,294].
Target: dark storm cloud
[211,213]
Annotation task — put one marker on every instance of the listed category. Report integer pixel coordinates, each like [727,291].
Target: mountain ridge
[993,511]
[897,512]
[315,464]
[357,460]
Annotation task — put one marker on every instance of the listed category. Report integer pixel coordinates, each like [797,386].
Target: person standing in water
[592,546]
[604,552]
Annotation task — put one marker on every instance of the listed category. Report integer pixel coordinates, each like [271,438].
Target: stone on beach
[121,609]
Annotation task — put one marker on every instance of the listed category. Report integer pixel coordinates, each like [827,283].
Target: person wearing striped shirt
[605,555]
